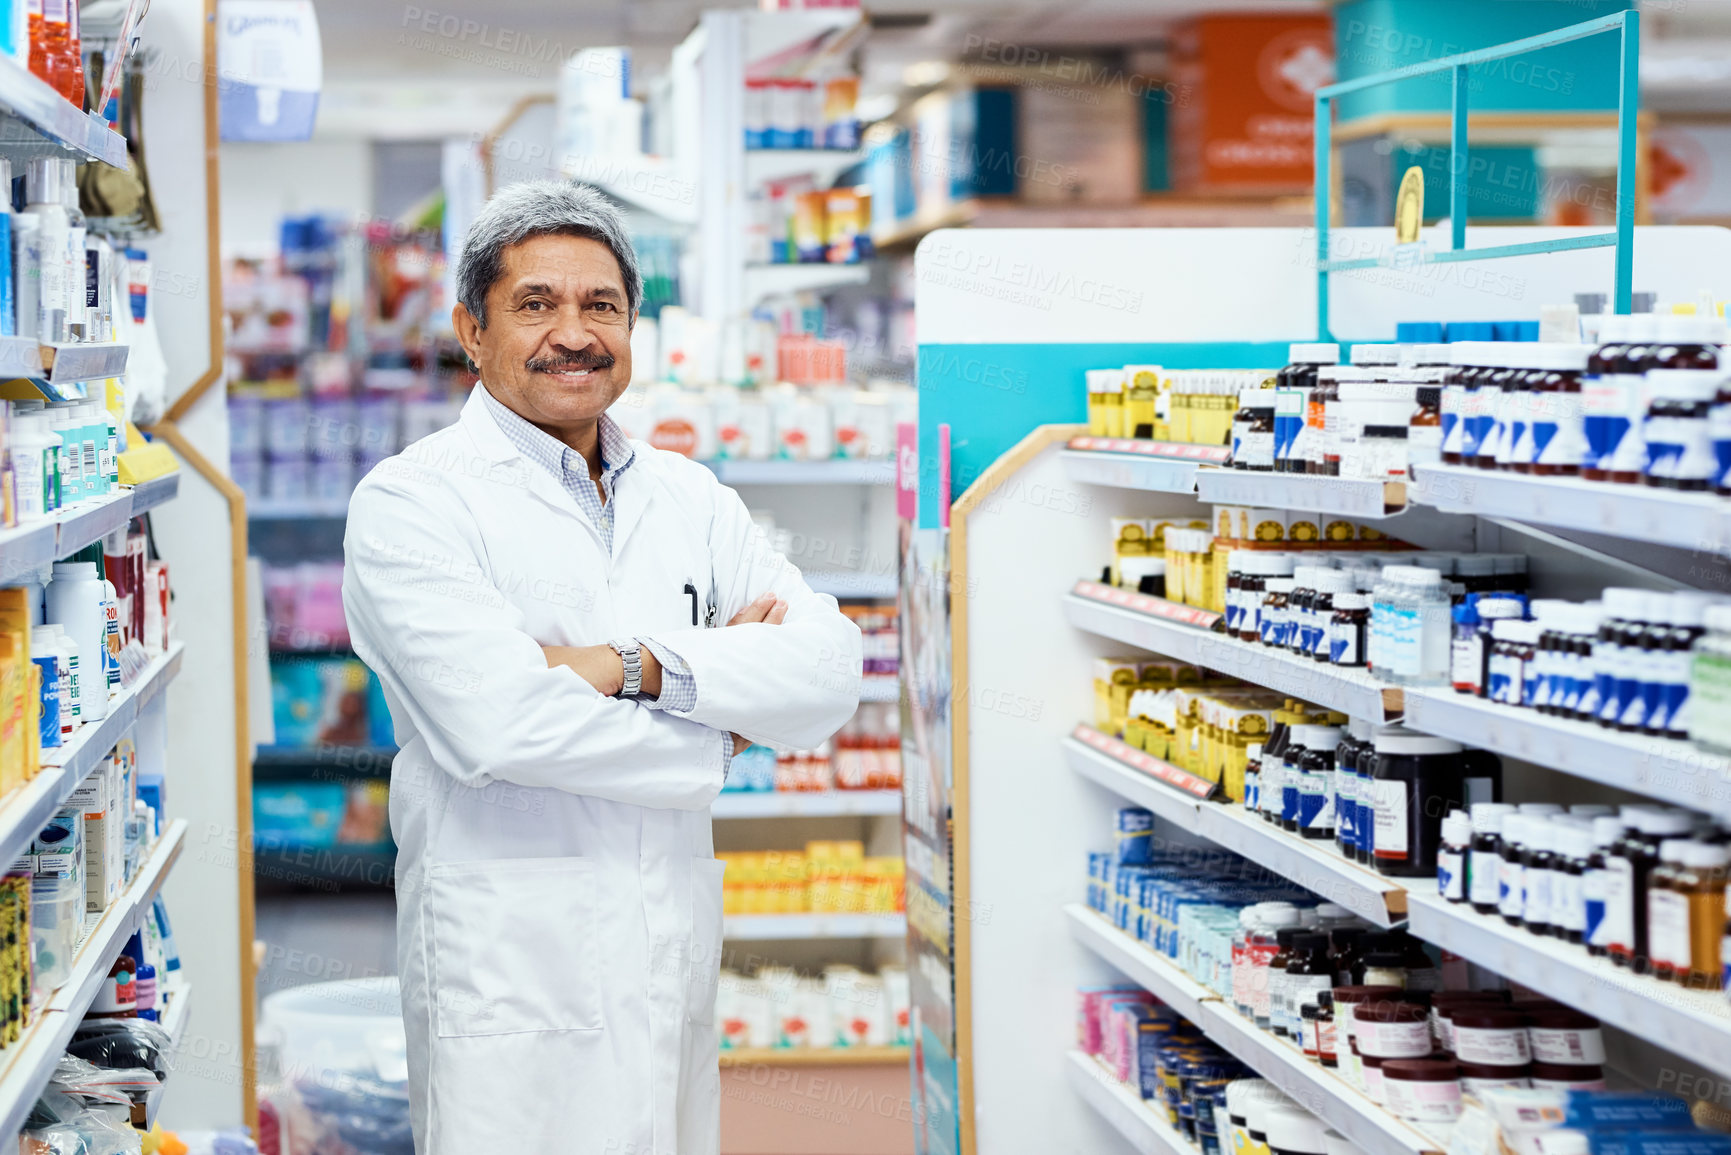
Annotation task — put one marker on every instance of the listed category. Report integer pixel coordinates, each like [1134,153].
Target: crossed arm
[602,667]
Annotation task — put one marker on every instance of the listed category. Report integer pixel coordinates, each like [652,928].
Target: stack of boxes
[825,878]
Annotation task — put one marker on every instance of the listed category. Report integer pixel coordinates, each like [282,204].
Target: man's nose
[571,333]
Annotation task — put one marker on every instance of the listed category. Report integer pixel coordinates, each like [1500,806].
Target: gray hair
[541,208]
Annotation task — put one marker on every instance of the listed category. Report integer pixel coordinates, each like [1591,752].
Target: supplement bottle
[1452,855]
[1417,781]
[1264,949]
[1512,868]
[1327,1052]
[1630,452]
[1539,865]
[1622,610]
[1454,403]
[1346,954]
[1708,718]
[1331,585]
[1364,791]
[1595,886]
[1668,913]
[1604,414]
[1491,412]
[1294,386]
[1274,619]
[1424,432]
[1568,903]
[1719,426]
[1484,855]
[1258,456]
[1276,1019]
[1679,443]
[1628,867]
[1308,972]
[1506,664]
[1704,884]
[1668,681]
[1514,406]
[1349,629]
[1558,433]
[1316,783]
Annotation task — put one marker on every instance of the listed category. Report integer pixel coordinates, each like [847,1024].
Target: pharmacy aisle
[1390,796]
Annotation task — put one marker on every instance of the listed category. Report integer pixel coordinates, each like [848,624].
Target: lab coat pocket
[704,957]
[514,946]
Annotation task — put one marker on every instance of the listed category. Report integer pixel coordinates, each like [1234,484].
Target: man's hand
[768,609]
[771,611]
[603,668]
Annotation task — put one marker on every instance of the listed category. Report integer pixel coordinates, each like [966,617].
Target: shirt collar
[550,453]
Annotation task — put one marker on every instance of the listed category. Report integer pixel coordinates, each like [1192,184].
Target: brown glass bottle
[1560,400]
[1283,956]
[1639,356]
[1608,360]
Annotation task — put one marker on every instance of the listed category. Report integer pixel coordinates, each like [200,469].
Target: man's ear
[468,332]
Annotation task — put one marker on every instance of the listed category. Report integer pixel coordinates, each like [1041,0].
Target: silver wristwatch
[632,655]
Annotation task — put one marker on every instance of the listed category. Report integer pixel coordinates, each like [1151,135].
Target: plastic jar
[1563,1035]
[1560,1077]
[1422,1090]
[1294,1131]
[1392,1030]
[1347,1000]
[1679,442]
[1417,780]
[1709,715]
[1476,1077]
[1493,1036]
[1445,1003]
[73,600]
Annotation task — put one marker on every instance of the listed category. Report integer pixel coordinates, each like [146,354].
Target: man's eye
[534,306]
[609,306]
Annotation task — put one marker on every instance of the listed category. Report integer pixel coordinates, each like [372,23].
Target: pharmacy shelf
[795,804]
[27,1065]
[1315,865]
[1103,759]
[787,927]
[1127,1112]
[1154,973]
[26,550]
[1108,612]
[267,509]
[1130,471]
[804,472]
[1672,771]
[147,495]
[1370,1126]
[823,165]
[655,183]
[852,584]
[1693,521]
[816,1057]
[48,124]
[763,281]
[178,996]
[1694,1024]
[27,810]
[1344,496]
[69,363]
[1373,1129]
[881,688]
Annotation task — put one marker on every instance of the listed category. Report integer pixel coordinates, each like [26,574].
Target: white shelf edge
[1130,471]
[1127,1112]
[762,281]
[27,549]
[1694,521]
[772,927]
[1131,784]
[27,1065]
[26,811]
[795,804]
[1317,866]
[1692,1024]
[1352,693]
[1330,496]
[1666,769]
[1158,976]
[790,472]
[57,119]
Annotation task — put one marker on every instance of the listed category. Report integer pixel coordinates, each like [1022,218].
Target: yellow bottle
[1106,402]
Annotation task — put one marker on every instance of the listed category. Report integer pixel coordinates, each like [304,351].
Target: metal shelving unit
[27,1065]
[1124,1109]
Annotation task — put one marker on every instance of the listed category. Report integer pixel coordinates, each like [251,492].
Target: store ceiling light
[925,73]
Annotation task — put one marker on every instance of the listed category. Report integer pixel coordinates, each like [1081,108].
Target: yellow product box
[1141,398]
[1106,402]
[1187,731]
[1130,538]
[1114,678]
[1226,520]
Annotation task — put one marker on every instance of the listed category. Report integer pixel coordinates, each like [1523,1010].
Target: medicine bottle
[1293,388]
[1629,457]
[1308,972]
[1346,954]
[1719,427]
[1513,410]
[1506,664]
[1348,629]
[1629,866]
[1265,949]
[1258,454]
[1327,1052]
[1679,443]
[1417,780]
[1511,868]
[1424,429]
[1574,846]
[1273,620]
[1708,719]
[1236,562]
[1668,679]
[1668,913]
[1559,431]
[1595,885]
[1491,413]
[1451,861]
[1106,402]
[1275,1017]
[1539,864]
[1703,883]
[1316,816]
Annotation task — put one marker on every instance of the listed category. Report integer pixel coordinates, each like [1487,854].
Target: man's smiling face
[557,346]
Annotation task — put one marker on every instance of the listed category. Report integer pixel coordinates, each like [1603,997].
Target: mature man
[536,591]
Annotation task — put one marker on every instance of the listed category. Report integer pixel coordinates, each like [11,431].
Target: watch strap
[631,654]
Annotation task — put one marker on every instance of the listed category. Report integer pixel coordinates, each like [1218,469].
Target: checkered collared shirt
[570,470]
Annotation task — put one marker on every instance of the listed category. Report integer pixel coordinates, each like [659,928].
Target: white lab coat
[559,902]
